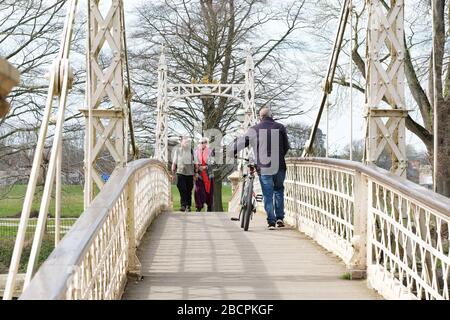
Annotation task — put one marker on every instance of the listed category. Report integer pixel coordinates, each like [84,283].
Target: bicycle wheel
[243,202]
[248,207]
[242,215]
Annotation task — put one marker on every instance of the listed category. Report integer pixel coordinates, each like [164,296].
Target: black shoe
[271,226]
[280,223]
[188,209]
[183,208]
[209,209]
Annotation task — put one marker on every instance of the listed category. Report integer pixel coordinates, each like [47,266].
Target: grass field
[6,248]
[72,206]
[72,200]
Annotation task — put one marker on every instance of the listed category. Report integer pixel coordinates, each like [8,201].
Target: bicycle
[248,197]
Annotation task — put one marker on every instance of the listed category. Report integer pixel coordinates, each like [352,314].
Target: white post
[358,264]
[369,227]
[134,266]
[58,195]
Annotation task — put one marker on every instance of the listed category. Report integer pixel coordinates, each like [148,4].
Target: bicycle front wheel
[248,208]
[242,215]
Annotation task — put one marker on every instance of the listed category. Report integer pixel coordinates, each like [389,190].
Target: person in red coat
[204,177]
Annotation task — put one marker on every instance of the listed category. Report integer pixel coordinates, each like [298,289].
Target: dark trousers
[185,184]
[202,197]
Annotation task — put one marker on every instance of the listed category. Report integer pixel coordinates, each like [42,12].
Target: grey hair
[265,112]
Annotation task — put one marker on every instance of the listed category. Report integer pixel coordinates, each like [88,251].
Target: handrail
[74,262]
[384,227]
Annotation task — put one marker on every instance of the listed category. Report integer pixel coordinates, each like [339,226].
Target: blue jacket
[269,142]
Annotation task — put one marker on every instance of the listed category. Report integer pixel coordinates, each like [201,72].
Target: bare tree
[30,33]
[298,134]
[207,38]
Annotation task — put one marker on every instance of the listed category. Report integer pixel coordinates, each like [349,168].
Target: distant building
[14,176]
[426,176]
[413,170]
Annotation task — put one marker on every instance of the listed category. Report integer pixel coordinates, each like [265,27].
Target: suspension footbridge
[346,220]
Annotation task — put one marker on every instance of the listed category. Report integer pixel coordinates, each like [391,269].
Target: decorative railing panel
[93,259]
[408,245]
[147,201]
[391,230]
[319,200]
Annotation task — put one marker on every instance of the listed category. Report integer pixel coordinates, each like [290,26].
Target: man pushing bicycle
[270,143]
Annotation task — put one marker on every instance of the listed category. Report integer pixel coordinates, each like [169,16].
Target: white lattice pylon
[162,148]
[250,118]
[385,80]
[249,101]
[169,93]
[106,113]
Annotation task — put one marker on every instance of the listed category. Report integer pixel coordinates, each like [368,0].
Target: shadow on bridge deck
[208,256]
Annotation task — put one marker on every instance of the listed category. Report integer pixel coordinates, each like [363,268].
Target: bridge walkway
[208,256]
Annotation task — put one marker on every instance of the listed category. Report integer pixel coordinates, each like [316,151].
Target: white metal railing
[9,226]
[391,230]
[92,261]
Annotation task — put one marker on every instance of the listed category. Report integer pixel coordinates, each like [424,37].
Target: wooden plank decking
[208,256]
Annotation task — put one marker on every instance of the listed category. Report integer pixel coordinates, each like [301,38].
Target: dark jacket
[269,142]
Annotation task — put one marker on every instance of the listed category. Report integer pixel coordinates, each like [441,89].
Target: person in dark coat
[270,143]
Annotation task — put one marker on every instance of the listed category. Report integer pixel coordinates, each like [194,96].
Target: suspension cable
[328,85]
[128,93]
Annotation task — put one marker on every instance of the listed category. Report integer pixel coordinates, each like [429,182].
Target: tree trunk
[443,152]
[217,206]
[443,118]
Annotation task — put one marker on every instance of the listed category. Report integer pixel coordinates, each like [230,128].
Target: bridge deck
[208,256]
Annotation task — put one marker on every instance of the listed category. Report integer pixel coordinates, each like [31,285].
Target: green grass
[72,206]
[72,201]
[346,276]
[226,197]
[7,247]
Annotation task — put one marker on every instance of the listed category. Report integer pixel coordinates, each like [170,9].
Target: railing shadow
[200,257]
